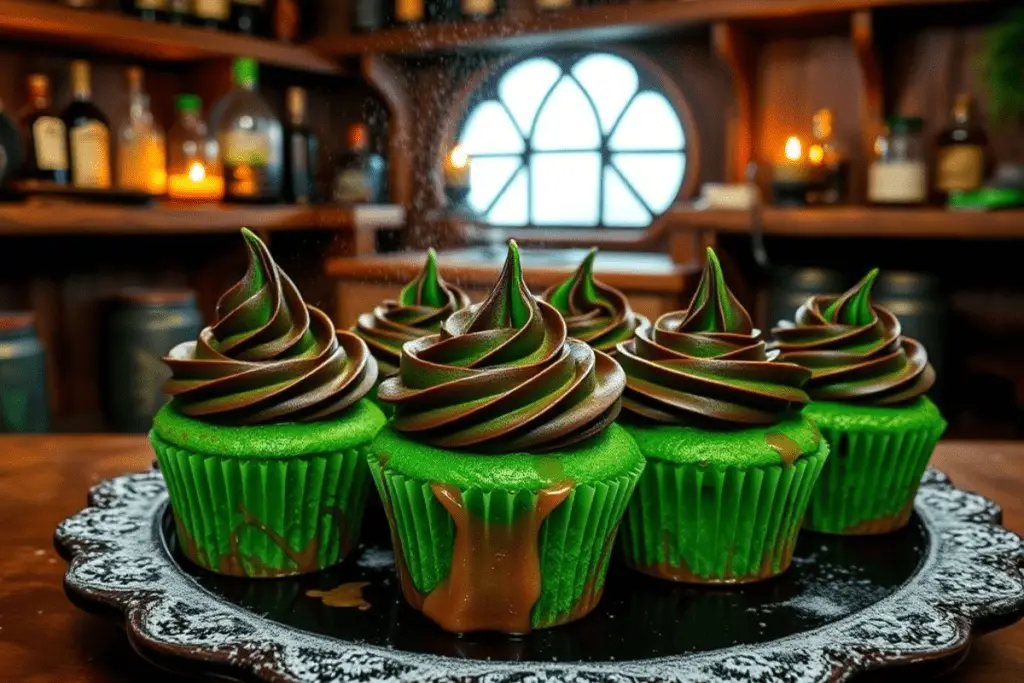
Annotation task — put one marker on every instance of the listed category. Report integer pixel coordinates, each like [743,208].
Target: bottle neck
[247,85]
[40,101]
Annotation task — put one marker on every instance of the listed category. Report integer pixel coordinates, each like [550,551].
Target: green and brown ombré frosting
[422,306]
[709,365]
[854,350]
[269,358]
[594,312]
[503,377]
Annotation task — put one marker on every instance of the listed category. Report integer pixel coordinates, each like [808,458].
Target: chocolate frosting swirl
[594,312]
[854,350]
[422,306]
[269,358]
[708,365]
[504,377]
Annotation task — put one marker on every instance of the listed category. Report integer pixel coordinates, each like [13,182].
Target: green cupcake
[422,306]
[594,312]
[730,462]
[502,474]
[263,445]
[867,388]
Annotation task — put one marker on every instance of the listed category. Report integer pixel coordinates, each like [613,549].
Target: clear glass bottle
[88,133]
[193,157]
[251,140]
[359,174]
[828,162]
[141,150]
[898,175]
[960,151]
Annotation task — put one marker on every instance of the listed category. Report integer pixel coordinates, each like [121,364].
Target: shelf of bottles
[373,15]
[246,154]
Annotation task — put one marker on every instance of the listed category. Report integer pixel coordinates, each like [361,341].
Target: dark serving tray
[847,605]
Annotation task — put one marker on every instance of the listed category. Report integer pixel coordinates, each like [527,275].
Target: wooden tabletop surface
[44,479]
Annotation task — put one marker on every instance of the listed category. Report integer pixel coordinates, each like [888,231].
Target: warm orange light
[196,172]
[458,157]
[816,154]
[794,150]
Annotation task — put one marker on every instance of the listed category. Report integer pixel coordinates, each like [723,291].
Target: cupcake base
[709,518]
[264,515]
[878,457]
[506,543]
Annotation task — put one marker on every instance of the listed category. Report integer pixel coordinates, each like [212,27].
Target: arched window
[581,140]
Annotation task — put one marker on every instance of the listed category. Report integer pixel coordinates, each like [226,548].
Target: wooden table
[43,638]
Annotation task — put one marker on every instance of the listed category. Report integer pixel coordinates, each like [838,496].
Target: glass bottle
[301,151]
[141,154]
[898,175]
[960,151]
[828,162]
[359,173]
[88,133]
[287,20]
[410,12]
[368,15]
[213,14]
[249,16]
[553,5]
[46,153]
[193,157]
[480,9]
[251,140]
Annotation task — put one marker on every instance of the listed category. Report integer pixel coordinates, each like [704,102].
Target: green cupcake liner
[869,483]
[574,541]
[265,517]
[697,524]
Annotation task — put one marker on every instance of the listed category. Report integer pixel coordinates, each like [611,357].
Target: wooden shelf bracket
[391,86]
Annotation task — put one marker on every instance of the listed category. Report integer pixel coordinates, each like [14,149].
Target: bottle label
[90,154]
[478,7]
[960,167]
[899,182]
[407,11]
[352,186]
[50,147]
[155,5]
[218,10]
[246,157]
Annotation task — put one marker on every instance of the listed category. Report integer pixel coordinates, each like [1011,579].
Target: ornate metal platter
[847,605]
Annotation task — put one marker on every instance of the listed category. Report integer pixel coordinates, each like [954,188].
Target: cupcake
[422,306]
[867,389]
[263,444]
[730,461]
[594,312]
[502,473]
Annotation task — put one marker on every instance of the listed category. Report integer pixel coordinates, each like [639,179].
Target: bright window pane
[565,188]
[621,207]
[511,207]
[649,123]
[523,88]
[567,120]
[486,178]
[611,81]
[489,130]
[655,177]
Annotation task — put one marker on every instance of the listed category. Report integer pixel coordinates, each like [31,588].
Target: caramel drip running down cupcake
[422,306]
[854,350]
[708,364]
[269,358]
[502,377]
[594,312]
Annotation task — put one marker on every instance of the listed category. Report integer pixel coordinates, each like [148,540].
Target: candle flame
[794,150]
[816,154]
[196,172]
[458,157]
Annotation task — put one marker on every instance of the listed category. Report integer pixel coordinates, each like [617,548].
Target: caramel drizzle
[346,595]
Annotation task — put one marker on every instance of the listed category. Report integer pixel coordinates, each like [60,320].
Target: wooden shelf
[114,33]
[587,24]
[858,221]
[66,218]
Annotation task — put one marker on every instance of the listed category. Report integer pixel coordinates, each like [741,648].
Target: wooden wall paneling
[393,86]
[735,47]
[862,35]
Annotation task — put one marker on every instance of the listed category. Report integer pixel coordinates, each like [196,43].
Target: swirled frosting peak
[708,365]
[269,358]
[594,312]
[503,377]
[421,307]
[854,349]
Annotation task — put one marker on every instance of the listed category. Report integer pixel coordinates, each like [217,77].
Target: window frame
[482,85]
